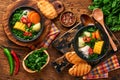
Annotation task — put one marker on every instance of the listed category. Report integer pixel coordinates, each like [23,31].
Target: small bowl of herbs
[36,60]
[26,23]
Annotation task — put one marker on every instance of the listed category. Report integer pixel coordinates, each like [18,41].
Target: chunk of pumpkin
[97,35]
[93,35]
[34,17]
[98,47]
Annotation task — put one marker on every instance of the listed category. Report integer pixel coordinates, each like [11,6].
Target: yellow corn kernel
[98,47]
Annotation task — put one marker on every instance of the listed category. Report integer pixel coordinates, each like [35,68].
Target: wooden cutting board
[10,8]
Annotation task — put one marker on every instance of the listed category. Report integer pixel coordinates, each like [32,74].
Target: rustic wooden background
[78,7]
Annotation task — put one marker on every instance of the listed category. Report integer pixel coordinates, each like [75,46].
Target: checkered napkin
[101,71]
[51,36]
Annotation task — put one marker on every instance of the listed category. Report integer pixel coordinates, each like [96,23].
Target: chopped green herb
[93,56]
[36,60]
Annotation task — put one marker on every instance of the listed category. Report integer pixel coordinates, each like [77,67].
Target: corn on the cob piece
[98,47]
[19,26]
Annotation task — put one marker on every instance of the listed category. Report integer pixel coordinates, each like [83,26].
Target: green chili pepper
[10,59]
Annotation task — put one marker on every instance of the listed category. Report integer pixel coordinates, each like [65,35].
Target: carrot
[97,35]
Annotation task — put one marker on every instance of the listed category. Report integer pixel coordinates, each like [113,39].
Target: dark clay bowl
[105,47]
[41,21]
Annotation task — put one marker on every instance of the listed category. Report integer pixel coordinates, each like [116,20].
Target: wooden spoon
[29,70]
[86,20]
[98,16]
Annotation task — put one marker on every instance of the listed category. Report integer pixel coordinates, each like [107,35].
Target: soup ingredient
[30,13]
[17,62]
[36,60]
[81,42]
[97,35]
[27,33]
[16,17]
[85,50]
[93,35]
[34,17]
[90,50]
[86,39]
[24,20]
[10,59]
[47,9]
[36,27]
[87,34]
[68,19]
[79,69]
[111,10]
[19,26]
[98,47]
[93,56]
[73,58]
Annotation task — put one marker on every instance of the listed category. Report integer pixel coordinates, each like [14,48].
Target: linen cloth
[54,31]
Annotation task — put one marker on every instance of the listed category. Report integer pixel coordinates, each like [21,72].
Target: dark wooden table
[78,7]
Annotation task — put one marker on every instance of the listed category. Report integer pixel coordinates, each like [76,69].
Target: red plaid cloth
[51,36]
[102,70]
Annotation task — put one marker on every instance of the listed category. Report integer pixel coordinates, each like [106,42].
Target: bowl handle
[58,6]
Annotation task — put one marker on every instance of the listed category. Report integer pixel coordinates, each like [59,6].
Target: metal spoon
[99,17]
[86,20]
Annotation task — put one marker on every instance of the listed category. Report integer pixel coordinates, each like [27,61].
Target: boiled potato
[36,27]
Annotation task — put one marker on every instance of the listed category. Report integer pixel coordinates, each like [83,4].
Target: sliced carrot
[97,35]
[35,18]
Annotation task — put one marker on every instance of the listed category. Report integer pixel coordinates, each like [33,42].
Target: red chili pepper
[17,62]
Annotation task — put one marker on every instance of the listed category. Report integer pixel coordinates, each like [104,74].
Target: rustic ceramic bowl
[11,27]
[72,17]
[105,46]
[31,71]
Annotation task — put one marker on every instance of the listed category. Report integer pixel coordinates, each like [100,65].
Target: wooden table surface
[78,7]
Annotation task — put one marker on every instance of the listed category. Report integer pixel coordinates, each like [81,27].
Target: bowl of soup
[26,23]
[91,43]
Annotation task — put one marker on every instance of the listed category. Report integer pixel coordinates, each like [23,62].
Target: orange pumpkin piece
[93,35]
[31,12]
[97,35]
[34,17]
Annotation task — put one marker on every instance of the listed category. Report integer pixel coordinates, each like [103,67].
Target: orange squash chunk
[97,34]
[30,13]
[35,18]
